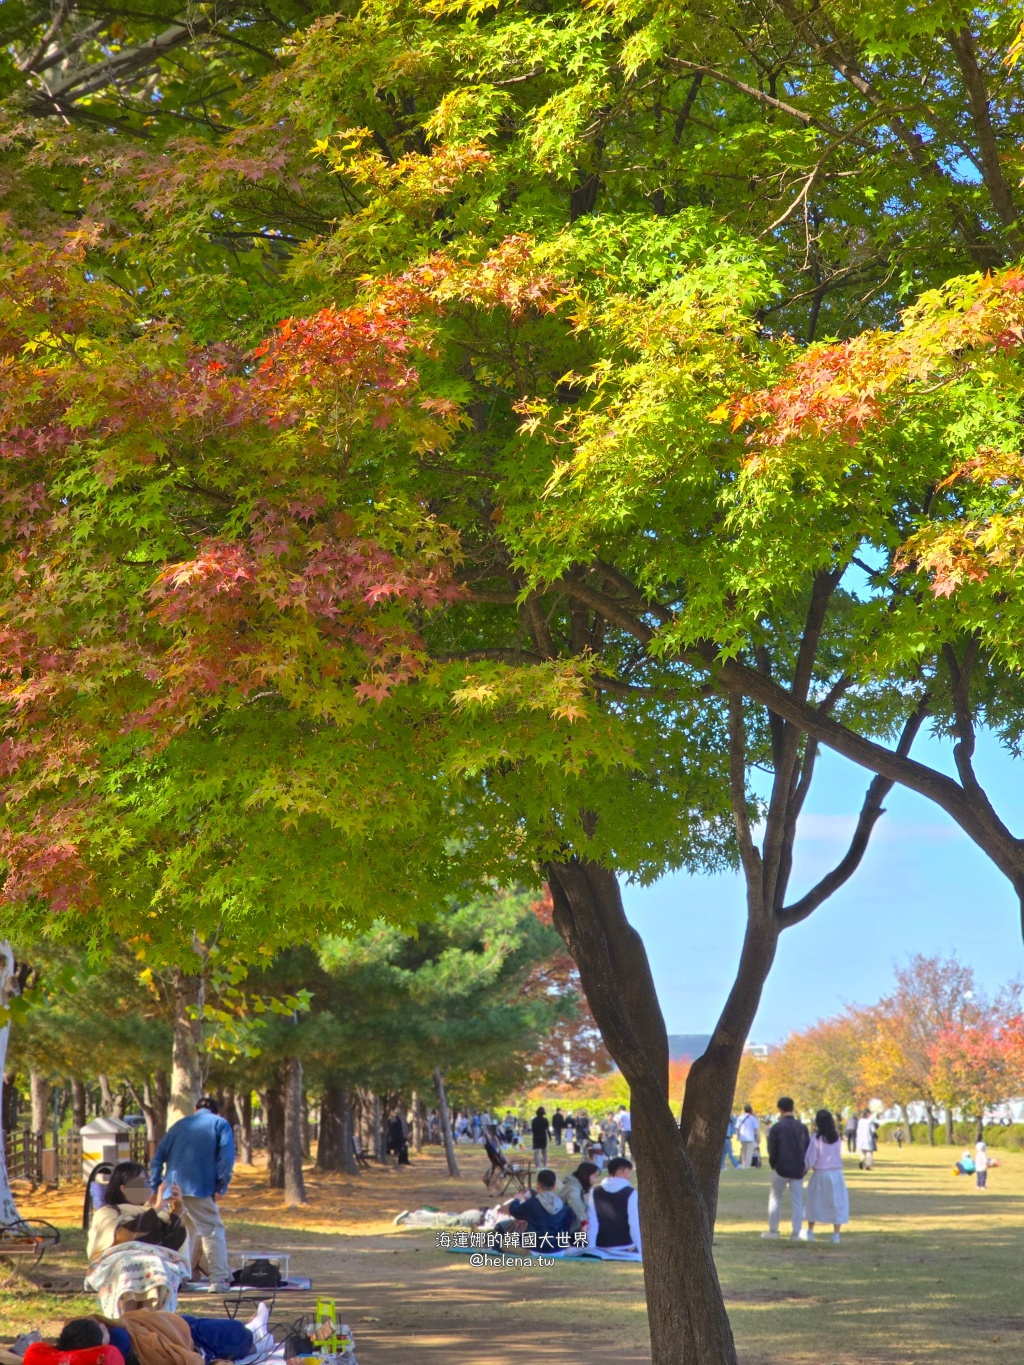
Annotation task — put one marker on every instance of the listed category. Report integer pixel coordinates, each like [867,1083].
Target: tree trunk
[39,1088]
[446,1124]
[980,1131]
[949,1127]
[189,993]
[930,1112]
[908,1127]
[106,1095]
[335,1151]
[8,989]
[273,1105]
[417,1122]
[711,1082]
[307,1149]
[156,1092]
[378,1129]
[243,1107]
[328,1147]
[349,1164]
[78,1119]
[294,1184]
[686,1313]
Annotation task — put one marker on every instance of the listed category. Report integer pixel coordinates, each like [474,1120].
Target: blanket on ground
[133,1275]
[157,1337]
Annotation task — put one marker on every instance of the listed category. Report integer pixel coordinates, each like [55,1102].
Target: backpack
[258,1274]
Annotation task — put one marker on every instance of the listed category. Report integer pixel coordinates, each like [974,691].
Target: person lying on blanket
[149,1337]
[543,1212]
[614,1222]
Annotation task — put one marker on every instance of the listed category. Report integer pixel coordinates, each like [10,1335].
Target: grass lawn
[931,1270]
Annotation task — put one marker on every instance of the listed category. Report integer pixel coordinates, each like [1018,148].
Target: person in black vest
[558,1126]
[614,1222]
[540,1129]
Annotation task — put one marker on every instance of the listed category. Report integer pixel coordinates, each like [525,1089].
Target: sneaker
[835,1237]
[806,1236]
[772,1235]
[220,1287]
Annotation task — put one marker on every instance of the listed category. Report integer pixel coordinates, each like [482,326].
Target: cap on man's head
[785,1104]
[208,1102]
[547,1180]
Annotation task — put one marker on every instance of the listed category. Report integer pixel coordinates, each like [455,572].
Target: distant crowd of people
[610,1137]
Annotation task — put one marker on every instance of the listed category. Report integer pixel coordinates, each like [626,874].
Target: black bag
[258,1274]
[298,1344]
[755,1160]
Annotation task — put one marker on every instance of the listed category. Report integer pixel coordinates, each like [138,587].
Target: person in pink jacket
[826,1199]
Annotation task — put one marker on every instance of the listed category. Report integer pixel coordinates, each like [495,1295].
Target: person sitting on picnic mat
[614,1220]
[543,1212]
[129,1205]
[575,1191]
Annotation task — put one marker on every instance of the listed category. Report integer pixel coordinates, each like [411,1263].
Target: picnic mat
[567,1254]
[296,1283]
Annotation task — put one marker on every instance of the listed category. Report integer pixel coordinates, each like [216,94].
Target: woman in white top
[127,1194]
[826,1200]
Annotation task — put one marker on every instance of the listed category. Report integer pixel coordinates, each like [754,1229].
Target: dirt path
[404,1299]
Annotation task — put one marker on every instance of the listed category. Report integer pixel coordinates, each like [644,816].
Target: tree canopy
[423,467]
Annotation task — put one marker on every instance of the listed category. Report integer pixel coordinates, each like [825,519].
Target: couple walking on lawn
[792,1152]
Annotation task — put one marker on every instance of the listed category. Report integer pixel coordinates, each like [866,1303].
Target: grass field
[930,1271]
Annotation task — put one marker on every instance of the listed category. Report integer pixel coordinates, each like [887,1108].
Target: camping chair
[95,1187]
[23,1241]
[362,1160]
[502,1173]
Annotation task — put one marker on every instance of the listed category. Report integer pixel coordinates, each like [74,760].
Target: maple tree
[485,488]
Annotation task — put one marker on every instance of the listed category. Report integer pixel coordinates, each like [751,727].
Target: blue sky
[922,887]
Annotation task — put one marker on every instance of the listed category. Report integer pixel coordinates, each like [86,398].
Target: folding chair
[502,1173]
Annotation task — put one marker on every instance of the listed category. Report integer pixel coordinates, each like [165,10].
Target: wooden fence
[29,1159]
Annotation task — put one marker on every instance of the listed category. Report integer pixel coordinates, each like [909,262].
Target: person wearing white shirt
[614,1222]
[625,1122]
[749,1132]
[866,1142]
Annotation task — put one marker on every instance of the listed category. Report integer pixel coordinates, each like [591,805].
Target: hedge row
[964,1134]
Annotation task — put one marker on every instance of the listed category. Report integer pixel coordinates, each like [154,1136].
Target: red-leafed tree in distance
[573,1050]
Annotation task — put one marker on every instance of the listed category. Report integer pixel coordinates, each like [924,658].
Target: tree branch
[870,812]
[749,856]
[998,187]
[808,120]
[982,825]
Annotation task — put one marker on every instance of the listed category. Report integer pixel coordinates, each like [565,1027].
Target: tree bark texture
[189,994]
[949,1127]
[446,1124]
[273,1105]
[417,1121]
[39,1089]
[378,1129]
[156,1098]
[329,1144]
[78,1119]
[686,1313]
[243,1108]
[294,1184]
[8,989]
[908,1127]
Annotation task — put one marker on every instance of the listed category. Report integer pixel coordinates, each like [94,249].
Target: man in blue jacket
[198,1153]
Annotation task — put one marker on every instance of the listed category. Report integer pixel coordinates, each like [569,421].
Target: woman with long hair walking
[826,1200]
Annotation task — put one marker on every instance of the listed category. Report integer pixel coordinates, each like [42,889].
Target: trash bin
[105,1140]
